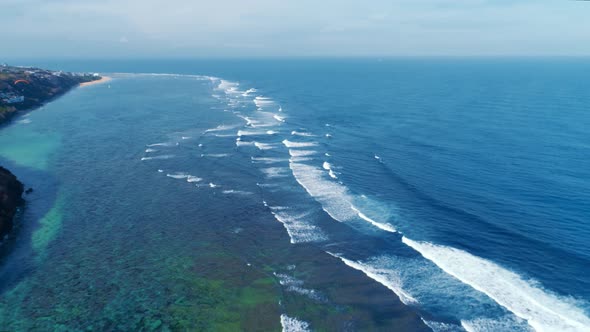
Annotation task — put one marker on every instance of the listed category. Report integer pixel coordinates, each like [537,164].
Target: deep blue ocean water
[461,185]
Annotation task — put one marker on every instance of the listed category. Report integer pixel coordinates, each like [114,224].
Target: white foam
[177,175]
[302,153]
[260,102]
[301,133]
[150,150]
[328,168]
[329,135]
[192,178]
[166,156]
[215,155]
[542,310]
[186,137]
[250,133]
[271,132]
[275,172]
[290,144]
[290,324]
[236,192]
[239,143]
[213,185]
[279,118]
[442,327]
[229,87]
[334,197]
[221,128]
[249,122]
[267,160]
[295,285]
[507,323]
[263,146]
[386,277]
[298,226]
[160,171]
[248,92]
[381,225]
[24,121]
[161,144]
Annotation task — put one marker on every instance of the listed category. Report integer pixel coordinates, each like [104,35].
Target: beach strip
[103,79]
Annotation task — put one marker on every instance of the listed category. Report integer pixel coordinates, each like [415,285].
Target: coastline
[102,80]
[47,86]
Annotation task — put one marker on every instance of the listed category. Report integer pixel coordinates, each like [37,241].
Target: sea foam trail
[301,133]
[263,146]
[333,196]
[236,192]
[221,128]
[290,324]
[275,172]
[295,285]
[290,144]
[166,156]
[178,175]
[250,133]
[384,226]
[192,179]
[301,153]
[543,311]
[262,101]
[298,227]
[491,325]
[268,160]
[161,144]
[328,168]
[248,92]
[384,277]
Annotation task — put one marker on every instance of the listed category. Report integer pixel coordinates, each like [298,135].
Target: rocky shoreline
[22,89]
[11,191]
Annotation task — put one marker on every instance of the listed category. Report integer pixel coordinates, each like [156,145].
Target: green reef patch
[30,148]
[49,226]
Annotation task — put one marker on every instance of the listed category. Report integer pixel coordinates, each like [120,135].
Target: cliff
[11,191]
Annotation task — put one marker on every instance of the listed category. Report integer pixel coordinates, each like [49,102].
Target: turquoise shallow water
[316,192]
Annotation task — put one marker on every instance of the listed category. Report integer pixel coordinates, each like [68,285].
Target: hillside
[23,88]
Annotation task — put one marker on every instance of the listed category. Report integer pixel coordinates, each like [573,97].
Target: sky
[241,28]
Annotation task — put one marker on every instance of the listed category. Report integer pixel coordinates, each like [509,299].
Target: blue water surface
[461,184]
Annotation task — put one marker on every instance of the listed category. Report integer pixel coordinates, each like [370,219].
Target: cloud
[305,27]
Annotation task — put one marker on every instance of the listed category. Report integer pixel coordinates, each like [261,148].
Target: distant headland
[25,88]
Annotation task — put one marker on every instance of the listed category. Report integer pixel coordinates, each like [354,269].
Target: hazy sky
[188,28]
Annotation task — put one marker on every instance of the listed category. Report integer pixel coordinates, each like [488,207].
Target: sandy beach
[103,79]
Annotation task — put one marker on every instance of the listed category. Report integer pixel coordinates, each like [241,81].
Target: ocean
[410,194]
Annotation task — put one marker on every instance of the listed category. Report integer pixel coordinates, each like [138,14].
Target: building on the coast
[14,99]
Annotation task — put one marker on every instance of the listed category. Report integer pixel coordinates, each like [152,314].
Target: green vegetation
[25,88]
